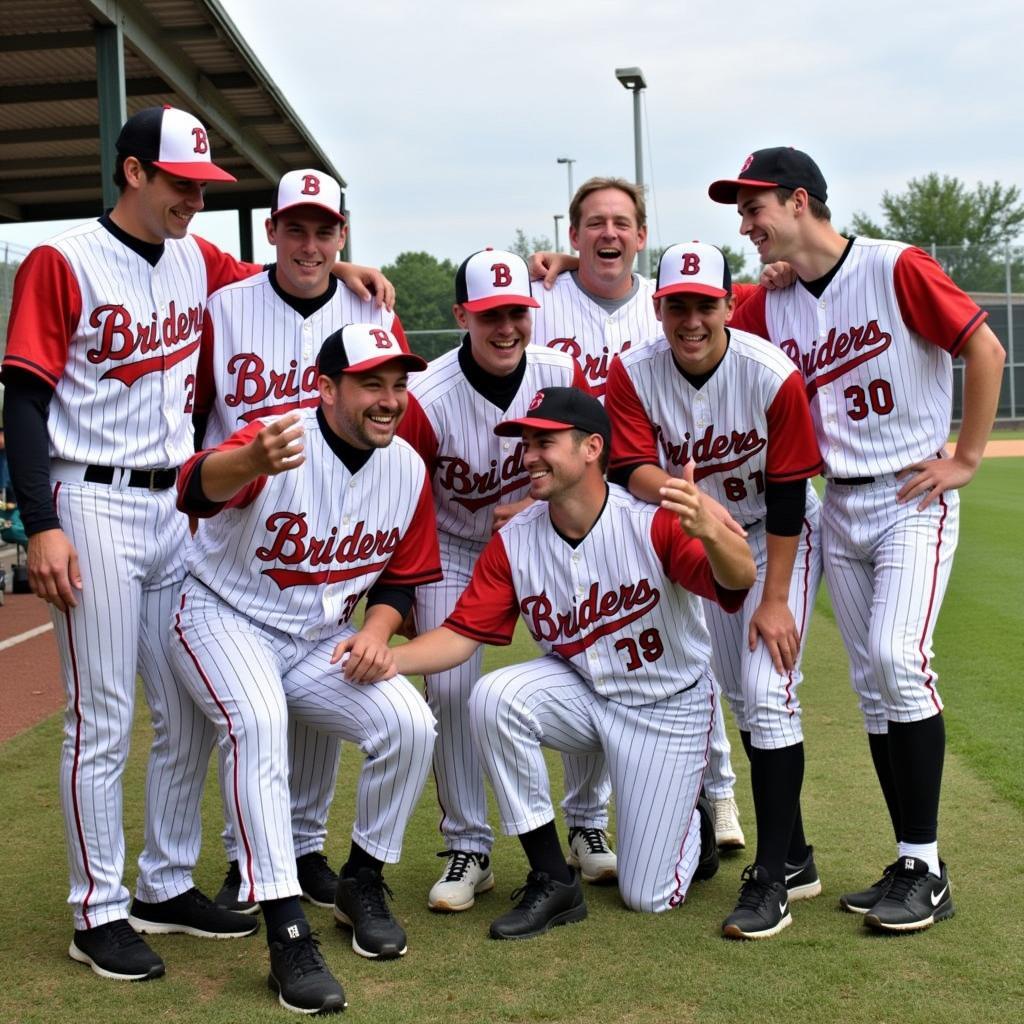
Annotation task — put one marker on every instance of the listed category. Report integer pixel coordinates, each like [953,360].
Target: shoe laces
[371,891]
[122,934]
[595,838]
[316,863]
[198,899]
[753,891]
[723,814]
[902,883]
[302,956]
[538,885]
[459,864]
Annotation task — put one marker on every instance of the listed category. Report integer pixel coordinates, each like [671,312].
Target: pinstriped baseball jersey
[622,607]
[569,320]
[118,338]
[748,425]
[259,355]
[451,425]
[297,550]
[875,351]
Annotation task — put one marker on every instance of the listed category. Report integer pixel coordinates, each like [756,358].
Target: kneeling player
[312,511]
[609,587]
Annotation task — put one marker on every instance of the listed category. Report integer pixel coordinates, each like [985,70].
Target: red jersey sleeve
[633,438]
[685,562]
[487,610]
[45,310]
[793,452]
[222,269]
[190,498]
[931,304]
[417,559]
[578,380]
[417,429]
[205,389]
[749,313]
[399,332]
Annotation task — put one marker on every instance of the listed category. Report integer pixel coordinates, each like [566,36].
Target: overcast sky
[446,118]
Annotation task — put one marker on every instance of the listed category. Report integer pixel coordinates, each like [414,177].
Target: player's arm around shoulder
[983,357]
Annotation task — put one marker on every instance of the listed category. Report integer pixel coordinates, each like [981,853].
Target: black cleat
[544,904]
[228,895]
[762,909]
[707,866]
[115,950]
[319,883]
[191,913]
[802,881]
[298,973]
[915,899]
[861,902]
[361,904]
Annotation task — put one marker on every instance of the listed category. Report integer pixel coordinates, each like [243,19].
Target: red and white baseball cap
[491,278]
[173,140]
[308,187]
[356,348]
[694,267]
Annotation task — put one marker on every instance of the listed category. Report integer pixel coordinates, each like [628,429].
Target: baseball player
[608,586]
[479,482]
[311,512]
[594,309]
[102,347]
[258,359]
[734,406]
[873,327]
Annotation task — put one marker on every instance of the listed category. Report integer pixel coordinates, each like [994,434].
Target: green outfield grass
[618,966]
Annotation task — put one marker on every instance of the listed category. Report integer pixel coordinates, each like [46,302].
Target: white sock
[928,852]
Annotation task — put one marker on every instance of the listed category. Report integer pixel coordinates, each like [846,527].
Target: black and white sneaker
[115,950]
[298,973]
[318,881]
[861,902]
[191,913]
[590,851]
[227,897]
[361,904]
[465,876]
[802,881]
[707,866]
[543,904]
[762,909]
[915,899]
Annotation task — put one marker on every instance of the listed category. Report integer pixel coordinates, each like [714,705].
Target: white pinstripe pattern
[246,677]
[570,321]
[656,754]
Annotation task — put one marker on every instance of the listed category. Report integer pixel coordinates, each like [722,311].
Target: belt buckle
[151,484]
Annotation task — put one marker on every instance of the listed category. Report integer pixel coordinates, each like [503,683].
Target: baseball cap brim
[408,360]
[691,289]
[494,301]
[513,428]
[727,189]
[320,206]
[195,171]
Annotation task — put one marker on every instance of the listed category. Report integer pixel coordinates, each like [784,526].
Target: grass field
[619,966]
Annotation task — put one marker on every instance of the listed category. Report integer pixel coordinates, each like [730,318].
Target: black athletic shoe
[861,902]
[318,881]
[762,909]
[191,913]
[361,904]
[707,866]
[115,950]
[298,973]
[915,900]
[543,904]
[228,895]
[802,881]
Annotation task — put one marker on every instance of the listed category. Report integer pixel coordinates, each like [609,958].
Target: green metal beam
[111,102]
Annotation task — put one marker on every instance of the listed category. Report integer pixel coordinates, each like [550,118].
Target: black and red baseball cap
[357,348]
[778,167]
[492,278]
[174,141]
[561,409]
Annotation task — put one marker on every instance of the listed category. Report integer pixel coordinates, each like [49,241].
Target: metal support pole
[245,235]
[643,259]
[1009,334]
[113,111]
[558,244]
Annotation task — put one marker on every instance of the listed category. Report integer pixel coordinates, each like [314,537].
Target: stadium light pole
[558,217]
[633,80]
[568,161]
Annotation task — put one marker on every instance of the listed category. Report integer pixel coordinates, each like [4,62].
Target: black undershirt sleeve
[622,474]
[398,597]
[786,504]
[26,407]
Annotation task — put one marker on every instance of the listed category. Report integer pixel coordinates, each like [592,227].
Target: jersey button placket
[826,395]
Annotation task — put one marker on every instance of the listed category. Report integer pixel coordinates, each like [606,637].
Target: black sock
[544,852]
[358,858]
[916,753]
[775,777]
[879,744]
[747,745]
[797,852]
[279,912]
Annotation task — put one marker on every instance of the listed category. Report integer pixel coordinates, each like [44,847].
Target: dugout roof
[71,70]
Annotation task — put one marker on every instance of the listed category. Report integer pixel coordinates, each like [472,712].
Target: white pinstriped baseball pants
[247,678]
[887,566]
[764,701]
[656,756]
[457,768]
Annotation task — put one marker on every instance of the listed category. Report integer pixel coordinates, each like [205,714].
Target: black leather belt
[153,479]
[851,481]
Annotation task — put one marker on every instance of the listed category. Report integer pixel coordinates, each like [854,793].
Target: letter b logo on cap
[502,275]
[202,142]
[691,264]
[383,341]
[310,185]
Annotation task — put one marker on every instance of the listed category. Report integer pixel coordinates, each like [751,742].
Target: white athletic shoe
[590,851]
[465,875]
[728,834]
